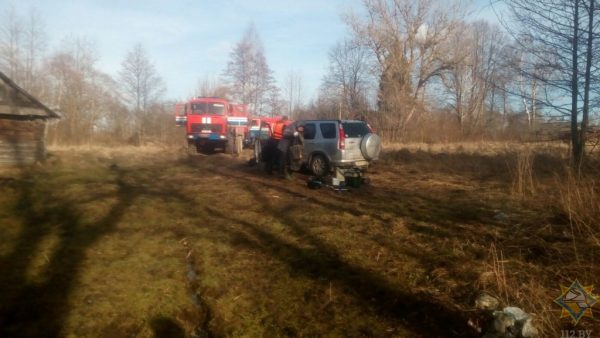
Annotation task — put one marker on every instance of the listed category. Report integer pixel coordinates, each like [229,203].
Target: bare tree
[349,77]
[408,39]
[34,47]
[248,74]
[22,48]
[75,90]
[472,73]
[210,86]
[526,82]
[11,44]
[293,92]
[274,102]
[592,53]
[141,84]
[563,37]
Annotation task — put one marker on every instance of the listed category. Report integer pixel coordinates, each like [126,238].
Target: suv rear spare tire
[370,146]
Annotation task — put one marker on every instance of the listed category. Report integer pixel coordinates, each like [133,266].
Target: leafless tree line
[419,70]
[415,69]
[95,107]
[562,39]
[412,67]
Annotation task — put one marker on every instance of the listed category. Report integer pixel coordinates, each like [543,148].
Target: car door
[310,142]
[328,139]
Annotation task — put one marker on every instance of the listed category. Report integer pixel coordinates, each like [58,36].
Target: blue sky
[188,40]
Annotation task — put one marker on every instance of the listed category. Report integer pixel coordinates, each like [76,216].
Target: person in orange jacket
[278,128]
[272,154]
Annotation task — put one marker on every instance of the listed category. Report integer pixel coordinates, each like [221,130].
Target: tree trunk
[575,88]
[586,97]
[533,103]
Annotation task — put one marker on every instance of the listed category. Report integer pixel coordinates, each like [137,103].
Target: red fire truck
[180,115]
[214,122]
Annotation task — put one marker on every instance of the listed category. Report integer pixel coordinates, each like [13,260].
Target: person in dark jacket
[291,149]
[283,150]
[296,151]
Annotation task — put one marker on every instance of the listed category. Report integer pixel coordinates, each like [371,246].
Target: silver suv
[347,145]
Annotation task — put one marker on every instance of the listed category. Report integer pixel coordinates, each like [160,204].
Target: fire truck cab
[214,122]
[180,115]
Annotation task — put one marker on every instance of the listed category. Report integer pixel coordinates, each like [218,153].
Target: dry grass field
[148,242]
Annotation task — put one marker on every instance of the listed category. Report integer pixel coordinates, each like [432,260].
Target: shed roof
[24,99]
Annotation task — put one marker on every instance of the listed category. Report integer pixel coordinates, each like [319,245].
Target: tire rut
[205,314]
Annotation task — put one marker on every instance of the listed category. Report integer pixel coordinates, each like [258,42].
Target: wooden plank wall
[22,141]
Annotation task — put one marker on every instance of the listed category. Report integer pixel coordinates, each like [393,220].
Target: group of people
[284,149]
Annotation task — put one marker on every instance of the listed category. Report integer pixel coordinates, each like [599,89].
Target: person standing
[283,151]
[291,149]
[271,151]
[296,150]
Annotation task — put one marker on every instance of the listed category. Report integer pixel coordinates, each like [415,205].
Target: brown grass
[107,239]
[580,201]
[523,181]
[553,218]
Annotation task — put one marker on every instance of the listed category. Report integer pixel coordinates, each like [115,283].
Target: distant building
[23,122]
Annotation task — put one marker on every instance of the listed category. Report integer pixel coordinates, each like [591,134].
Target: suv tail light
[342,138]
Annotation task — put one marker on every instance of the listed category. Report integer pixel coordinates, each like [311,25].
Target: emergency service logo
[576,301]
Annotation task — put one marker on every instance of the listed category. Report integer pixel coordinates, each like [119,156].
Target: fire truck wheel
[257,151]
[192,149]
[239,144]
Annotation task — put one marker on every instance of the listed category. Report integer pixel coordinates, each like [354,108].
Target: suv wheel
[318,165]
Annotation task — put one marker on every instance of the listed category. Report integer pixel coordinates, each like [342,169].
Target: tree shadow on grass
[434,215]
[34,308]
[166,327]
[455,215]
[449,212]
[31,308]
[321,262]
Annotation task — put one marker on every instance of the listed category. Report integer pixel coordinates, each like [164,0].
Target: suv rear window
[328,130]
[355,129]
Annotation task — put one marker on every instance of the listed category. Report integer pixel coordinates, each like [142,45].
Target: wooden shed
[23,122]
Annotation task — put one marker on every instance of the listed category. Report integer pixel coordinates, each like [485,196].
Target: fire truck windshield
[208,108]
